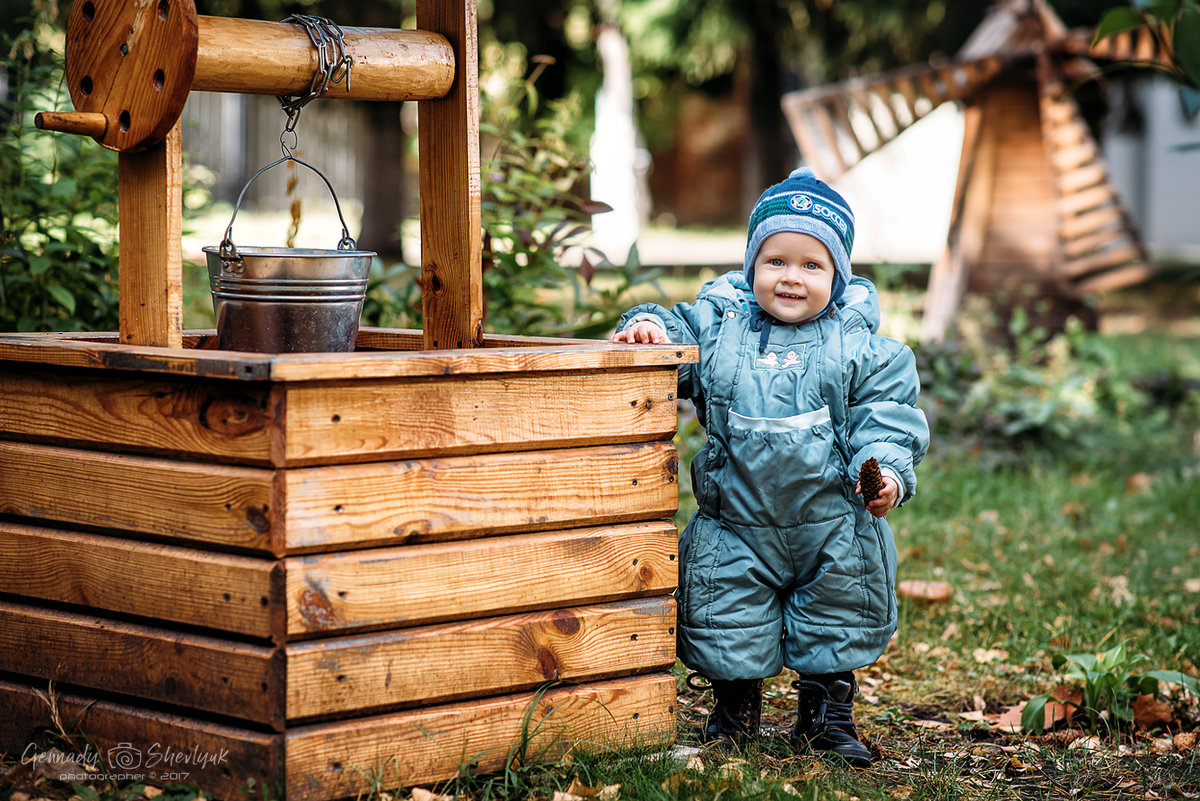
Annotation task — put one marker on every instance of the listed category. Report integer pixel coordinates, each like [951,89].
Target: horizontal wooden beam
[240,594]
[430,745]
[336,593]
[477,658]
[229,678]
[277,58]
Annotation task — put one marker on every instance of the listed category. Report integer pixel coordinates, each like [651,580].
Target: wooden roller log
[85,123]
[277,58]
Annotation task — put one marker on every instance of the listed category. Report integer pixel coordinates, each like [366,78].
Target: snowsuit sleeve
[683,326]
[884,421]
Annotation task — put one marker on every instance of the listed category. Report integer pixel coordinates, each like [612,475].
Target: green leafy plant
[58,210]
[1176,26]
[1109,686]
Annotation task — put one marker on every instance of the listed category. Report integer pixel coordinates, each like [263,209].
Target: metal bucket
[287,300]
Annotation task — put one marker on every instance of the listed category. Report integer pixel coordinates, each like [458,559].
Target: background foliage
[58,198]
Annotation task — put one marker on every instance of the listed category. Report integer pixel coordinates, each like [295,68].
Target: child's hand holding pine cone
[870,480]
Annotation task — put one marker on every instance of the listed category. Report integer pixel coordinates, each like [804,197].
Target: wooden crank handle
[85,123]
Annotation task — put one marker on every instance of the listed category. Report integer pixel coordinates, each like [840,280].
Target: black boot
[826,719]
[737,710]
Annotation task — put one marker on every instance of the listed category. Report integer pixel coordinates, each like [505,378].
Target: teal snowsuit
[782,564]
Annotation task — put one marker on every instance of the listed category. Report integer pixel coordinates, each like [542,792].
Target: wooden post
[448,131]
[948,277]
[150,189]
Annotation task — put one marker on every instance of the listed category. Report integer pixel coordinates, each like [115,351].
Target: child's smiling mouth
[790,296]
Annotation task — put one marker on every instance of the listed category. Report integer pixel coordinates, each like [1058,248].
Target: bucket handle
[228,250]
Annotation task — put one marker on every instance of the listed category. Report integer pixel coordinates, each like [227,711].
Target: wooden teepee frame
[1033,204]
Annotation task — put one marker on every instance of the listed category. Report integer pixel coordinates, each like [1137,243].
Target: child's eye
[812,265]
[776,262]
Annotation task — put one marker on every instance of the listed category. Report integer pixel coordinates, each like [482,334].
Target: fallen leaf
[1185,741]
[1138,482]
[421,794]
[901,792]
[936,725]
[609,792]
[1062,709]
[578,788]
[1192,585]
[1089,743]
[150,791]
[976,715]
[1149,713]
[921,591]
[989,655]
[19,795]
[1162,745]
[1010,718]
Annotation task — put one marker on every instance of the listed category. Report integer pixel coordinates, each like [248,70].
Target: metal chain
[333,66]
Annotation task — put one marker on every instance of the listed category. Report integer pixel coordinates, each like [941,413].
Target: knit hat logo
[801,203]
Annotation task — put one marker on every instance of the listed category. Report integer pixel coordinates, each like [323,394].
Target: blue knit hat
[806,205]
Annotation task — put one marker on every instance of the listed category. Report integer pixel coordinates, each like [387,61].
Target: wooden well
[327,571]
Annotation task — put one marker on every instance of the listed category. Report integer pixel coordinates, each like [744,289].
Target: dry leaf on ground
[925,592]
[1149,713]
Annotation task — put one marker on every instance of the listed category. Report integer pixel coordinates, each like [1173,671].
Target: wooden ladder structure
[1097,247]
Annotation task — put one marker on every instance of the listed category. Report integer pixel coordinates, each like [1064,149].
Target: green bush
[58,200]
[1065,390]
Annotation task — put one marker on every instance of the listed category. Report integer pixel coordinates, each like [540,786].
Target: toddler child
[783,563]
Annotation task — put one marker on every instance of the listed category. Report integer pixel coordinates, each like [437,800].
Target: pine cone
[871,480]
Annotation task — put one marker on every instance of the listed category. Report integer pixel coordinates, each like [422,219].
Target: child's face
[793,276]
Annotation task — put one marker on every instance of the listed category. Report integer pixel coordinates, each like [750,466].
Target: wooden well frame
[318,570]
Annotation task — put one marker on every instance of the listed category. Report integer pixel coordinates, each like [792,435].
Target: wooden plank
[1082,177]
[1084,199]
[1113,279]
[391,418]
[58,350]
[1090,221]
[150,190]
[277,58]
[228,506]
[204,673]
[158,748]
[474,658]
[948,275]
[232,593]
[448,141]
[1082,245]
[426,500]
[478,578]
[824,123]
[1074,157]
[1100,261]
[424,746]
[152,415]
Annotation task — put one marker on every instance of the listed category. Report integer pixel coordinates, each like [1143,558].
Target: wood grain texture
[126,412]
[133,63]
[389,418]
[219,758]
[417,584]
[81,350]
[150,190]
[204,673]
[452,661]
[232,593]
[423,746]
[277,58]
[227,506]
[426,500]
[448,144]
